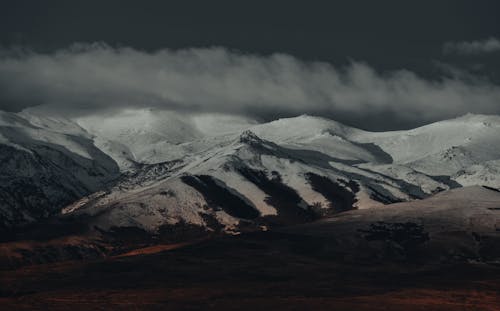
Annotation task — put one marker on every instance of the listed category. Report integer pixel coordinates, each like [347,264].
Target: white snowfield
[256,164]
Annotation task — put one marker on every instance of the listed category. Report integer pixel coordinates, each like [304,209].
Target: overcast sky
[373,64]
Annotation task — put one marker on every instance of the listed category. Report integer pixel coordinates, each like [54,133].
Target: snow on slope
[42,168]
[281,184]
[486,174]
[322,135]
[258,164]
[444,147]
[440,149]
[153,136]
[185,168]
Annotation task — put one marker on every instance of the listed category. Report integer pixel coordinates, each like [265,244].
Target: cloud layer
[90,79]
[472,47]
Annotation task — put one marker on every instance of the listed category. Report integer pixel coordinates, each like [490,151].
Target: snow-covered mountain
[221,172]
[46,163]
[293,170]
[151,136]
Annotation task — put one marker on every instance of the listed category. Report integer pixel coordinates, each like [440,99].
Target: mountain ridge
[302,163]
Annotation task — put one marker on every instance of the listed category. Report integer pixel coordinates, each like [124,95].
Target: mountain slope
[457,225]
[225,173]
[43,169]
[242,181]
[442,148]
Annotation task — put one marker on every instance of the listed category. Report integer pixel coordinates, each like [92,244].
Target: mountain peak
[250,137]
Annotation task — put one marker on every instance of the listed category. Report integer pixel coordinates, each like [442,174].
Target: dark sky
[385,35]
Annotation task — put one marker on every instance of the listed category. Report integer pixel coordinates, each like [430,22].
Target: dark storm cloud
[387,34]
[489,45]
[88,79]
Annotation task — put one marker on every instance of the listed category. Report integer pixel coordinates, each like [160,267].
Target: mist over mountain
[88,79]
